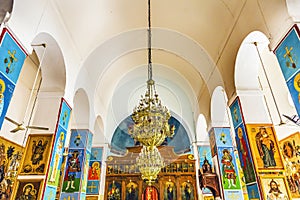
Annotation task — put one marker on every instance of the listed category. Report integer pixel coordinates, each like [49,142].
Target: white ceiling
[195,44]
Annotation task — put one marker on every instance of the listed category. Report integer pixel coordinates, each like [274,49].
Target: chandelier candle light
[149,162]
[151,118]
[151,124]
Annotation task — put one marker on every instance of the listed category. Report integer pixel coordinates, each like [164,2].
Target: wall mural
[121,139]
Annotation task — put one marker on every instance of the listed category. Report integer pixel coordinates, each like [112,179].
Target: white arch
[81,110]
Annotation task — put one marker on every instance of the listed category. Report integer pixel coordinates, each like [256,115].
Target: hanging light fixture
[149,162]
[151,118]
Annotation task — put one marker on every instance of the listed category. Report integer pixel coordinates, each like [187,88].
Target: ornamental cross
[92,186]
[289,55]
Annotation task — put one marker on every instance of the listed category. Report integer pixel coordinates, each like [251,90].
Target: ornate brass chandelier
[151,126]
[149,163]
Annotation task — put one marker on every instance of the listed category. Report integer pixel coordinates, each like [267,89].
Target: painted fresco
[12,57]
[28,189]
[288,53]
[228,168]
[10,159]
[121,139]
[290,148]
[73,171]
[132,192]
[294,88]
[236,113]
[78,139]
[204,151]
[274,187]
[264,145]
[245,154]
[187,191]
[37,154]
[223,137]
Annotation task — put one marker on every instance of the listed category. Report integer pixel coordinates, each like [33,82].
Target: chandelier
[149,162]
[151,126]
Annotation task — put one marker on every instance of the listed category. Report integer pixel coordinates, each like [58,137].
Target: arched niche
[81,110]
[201,129]
[99,137]
[219,109]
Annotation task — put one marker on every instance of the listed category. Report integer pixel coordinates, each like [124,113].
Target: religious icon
[170,191]
[187,191]
[57,157]
[114,191]
[37,154]
[290,149]
[73,171]
[228,169]
[94,171]
[10,158]
[28,190]
[274,188]
[131,191]
[244,154]
[266,147]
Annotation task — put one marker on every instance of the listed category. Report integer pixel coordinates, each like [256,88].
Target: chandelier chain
[149,43]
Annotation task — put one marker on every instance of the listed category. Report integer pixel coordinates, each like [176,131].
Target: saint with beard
[275,193]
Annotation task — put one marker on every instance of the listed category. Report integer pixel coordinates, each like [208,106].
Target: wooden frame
[264,148]
[37,154]
[270,183]
[28,188]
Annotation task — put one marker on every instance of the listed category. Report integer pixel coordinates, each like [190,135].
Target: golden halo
[297,82]
[2,83]
[94,163]
[28,184]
